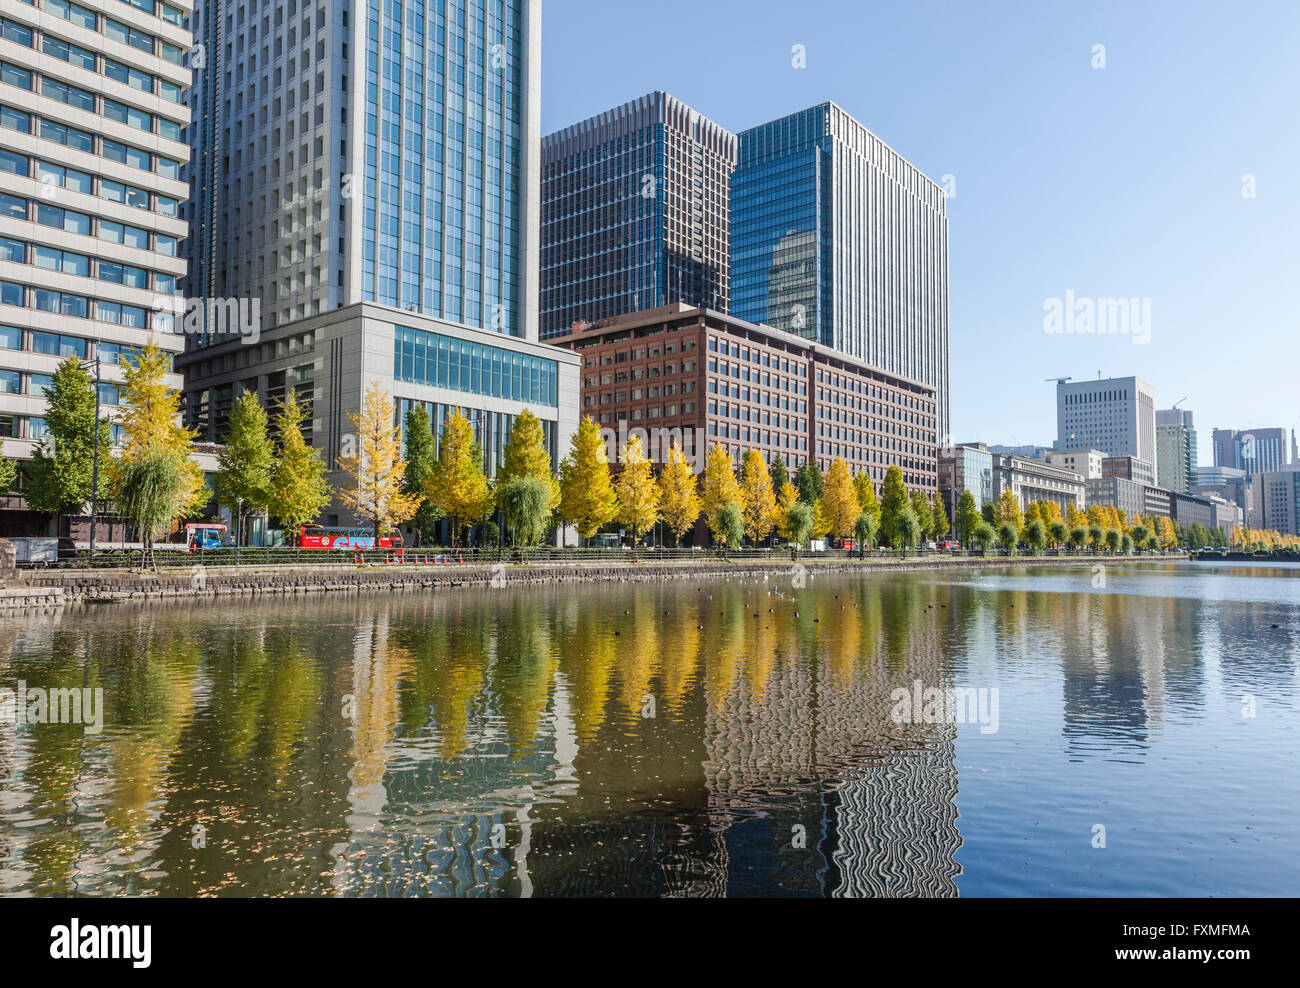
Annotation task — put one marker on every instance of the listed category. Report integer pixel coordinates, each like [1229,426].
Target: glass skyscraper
[373,152]
[837,238]
[369,174]
[635,213]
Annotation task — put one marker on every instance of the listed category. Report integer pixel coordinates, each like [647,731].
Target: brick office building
[700,378]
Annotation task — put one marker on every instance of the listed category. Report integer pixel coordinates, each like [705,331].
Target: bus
[353,539]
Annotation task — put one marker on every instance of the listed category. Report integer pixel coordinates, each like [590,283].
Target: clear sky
[1122,181]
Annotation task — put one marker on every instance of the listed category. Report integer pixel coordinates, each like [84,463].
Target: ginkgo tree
[373,461]
[679,499]
[636,490]
[457,484]
[587,498]
[759,501]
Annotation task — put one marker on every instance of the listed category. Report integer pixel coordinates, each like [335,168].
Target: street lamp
[94,469]
[239,517]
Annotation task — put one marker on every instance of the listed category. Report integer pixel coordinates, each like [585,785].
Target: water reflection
[686,740]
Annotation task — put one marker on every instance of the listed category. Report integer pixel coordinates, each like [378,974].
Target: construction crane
[1179,402]
[1058,380]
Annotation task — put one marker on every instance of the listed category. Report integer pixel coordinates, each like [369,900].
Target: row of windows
[86,225]
[115,30]
[70,262]
[17,383]
[84,140]
[441,361]
[73,305]
[61,177]
[84,99]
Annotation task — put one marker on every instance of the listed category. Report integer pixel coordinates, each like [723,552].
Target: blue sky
[1123,181]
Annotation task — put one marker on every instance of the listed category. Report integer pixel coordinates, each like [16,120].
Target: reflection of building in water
[885,824]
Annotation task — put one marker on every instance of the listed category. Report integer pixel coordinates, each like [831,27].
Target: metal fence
[442,556]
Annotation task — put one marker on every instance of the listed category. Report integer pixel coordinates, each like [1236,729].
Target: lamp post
[94,468]
[239,516]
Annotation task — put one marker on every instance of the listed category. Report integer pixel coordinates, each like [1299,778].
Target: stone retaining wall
[117,585]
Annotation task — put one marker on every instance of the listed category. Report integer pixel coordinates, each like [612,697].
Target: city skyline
[1160,151]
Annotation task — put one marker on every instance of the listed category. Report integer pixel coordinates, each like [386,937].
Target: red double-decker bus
[352,539]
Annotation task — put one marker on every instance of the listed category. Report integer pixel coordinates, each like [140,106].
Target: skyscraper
[837,238]
[91,116]
[1175,450]
[370,174]
[635,207]
[1254,450]
[1116,415]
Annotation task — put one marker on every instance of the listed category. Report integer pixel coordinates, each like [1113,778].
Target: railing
[439,556]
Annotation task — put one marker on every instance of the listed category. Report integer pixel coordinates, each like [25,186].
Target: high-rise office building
[1175,450]
[1254,450]
[371,174]
[1117,415]
[635,208]
[91,116]
[837,238]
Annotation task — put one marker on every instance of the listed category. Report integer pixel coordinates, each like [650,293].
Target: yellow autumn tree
[786,499]
[679,499]
[151,421]
[720,487]
[457,485]
[525,456]
[636,490]
[821,525]
[1166,534]
[372,460]
[1007,510]
[586,494]
[840,505]
[759,505]
[1074,517]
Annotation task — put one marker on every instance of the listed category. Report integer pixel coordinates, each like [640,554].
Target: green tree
[1096,537]
[780,473]
[526,505]
[893,499]
[907,529]
[1008,536]
[152,490]
[420,458]
[864,530]
[245,461]
[8,475]
[1035,535]
[1078,537]
[1113,540]
[968,516]
[1140,535]
[58,477]
[1057,531]
[299,490]
[938,516]
[729,528]
[921,508]
[809,482]
[982,535]
[798,525]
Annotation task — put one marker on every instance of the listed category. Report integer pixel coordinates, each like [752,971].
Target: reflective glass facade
[837,238]
[635,213]
[444,169]
[446,362]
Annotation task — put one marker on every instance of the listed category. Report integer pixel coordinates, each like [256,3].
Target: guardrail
[443,556]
